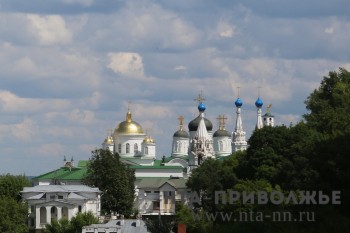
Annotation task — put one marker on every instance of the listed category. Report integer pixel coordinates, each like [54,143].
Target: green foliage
[13,215]
[75,225]
[11,186]
[160,224]
[13,212]
[329,105]
[311,155]
[114,179]
[195,222]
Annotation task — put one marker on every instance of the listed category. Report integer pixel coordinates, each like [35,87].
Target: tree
[75,225]
[13,215]
[13,212]
[114,179]
[160,224]
[329,105]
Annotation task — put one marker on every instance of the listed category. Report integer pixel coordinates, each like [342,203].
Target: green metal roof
[64,173]
[156,167]
[158,182]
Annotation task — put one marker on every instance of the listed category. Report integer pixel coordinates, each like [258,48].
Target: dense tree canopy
[312,155]
[75,225]
[114,179]
[13,212]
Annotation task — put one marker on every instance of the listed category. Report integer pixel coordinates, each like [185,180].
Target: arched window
[146,150]
[119,148]
[43,215]
[127,148]
[136,148]
[221,146]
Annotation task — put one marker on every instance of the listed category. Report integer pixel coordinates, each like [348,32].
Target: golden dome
[129,126]
[148,139]
[108,140]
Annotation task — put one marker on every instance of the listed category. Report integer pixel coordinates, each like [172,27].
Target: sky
[68,68]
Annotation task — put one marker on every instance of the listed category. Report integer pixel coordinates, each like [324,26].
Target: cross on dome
[181,121]
[199,98]
[222,120]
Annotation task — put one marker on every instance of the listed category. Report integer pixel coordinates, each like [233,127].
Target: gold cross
[181,121]
[221,119]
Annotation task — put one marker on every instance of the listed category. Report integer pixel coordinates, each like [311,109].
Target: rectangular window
[52,197]
[156,205]
[60,197]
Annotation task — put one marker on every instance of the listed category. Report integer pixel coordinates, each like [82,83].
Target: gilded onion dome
[148,139]
[109,140]
[129,126]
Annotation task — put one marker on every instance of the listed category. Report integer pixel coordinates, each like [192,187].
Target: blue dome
[259,103]
[238,102]
[201,107]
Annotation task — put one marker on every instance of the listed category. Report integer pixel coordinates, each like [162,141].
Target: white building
[49,202]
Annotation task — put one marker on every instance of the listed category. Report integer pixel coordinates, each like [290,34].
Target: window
[156,205]
[79,209]
[147,191]
[127,148]
[146,150]
[136,148]
[119,148]
[52,197]
[60,197]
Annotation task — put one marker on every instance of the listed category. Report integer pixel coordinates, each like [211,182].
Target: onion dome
[201,107]
[193,125]
[129,126]
[238,103]
[181,134]
[259,103]
[148,139]
[108,140]
[221,133]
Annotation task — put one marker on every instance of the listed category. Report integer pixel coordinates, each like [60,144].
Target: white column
[37,217]
[48,214]
[59,213]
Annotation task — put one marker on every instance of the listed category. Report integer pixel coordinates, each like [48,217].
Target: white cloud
[50,29]
[49,150]
[25,130]
[329,30]
[180,68]
[85,3]
[125,63]
[11,103]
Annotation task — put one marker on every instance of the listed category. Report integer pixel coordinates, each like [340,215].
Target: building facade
[53,202]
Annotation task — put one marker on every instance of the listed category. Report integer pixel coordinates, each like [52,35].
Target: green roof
[64,173]
[158,182]
[156,167]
